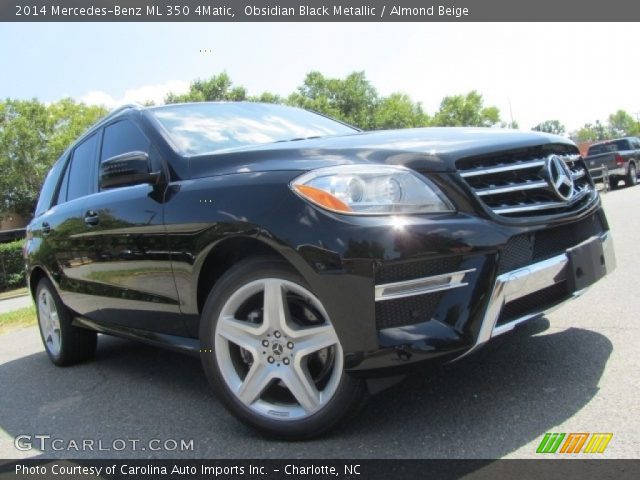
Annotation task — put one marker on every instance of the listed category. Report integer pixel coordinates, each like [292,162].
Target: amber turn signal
[322,198]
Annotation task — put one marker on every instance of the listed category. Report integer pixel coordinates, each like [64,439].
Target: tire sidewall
[76,344]
[343,399]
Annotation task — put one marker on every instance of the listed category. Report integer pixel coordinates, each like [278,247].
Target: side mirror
[131,168]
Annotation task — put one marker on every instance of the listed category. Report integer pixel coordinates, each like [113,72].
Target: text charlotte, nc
[248,10]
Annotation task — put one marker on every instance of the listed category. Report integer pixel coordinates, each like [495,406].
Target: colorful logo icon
[573,442]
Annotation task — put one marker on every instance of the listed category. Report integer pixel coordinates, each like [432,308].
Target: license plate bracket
[586,264]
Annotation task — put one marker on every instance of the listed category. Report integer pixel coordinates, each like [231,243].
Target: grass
[13,293]
[24,317]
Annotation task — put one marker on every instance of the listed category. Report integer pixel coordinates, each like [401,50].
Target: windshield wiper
[298,139]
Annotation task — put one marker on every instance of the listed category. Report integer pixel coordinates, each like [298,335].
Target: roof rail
[112,114]
[119,109]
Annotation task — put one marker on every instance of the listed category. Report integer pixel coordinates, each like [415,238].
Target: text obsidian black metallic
[300,257]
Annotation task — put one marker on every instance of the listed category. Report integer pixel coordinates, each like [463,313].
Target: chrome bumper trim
[420,286]
[524,281]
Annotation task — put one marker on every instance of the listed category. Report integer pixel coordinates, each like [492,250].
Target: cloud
[146,93]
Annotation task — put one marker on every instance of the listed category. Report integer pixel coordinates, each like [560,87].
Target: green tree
[219,87]
[466,111]
[550,126]
[352,99]
[399,111]
[621,124]
[32,137]
[69,119]
[267,97]
[592,132]
[24,153]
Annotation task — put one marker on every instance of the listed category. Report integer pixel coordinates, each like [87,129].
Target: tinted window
[622,145]
[80,174]
[608,147]
[199,128]
[49,187]
[600,148]
[122,137]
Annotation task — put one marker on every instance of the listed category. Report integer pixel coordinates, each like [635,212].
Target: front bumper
[593,259]
[470,298]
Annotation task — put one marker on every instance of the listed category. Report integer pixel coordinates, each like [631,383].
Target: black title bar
[317,11]
[548,469]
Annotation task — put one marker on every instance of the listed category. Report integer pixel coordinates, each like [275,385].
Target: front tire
[632,177]
[64,343]
[270,350]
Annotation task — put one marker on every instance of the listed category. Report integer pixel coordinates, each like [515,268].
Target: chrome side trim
[420,286]
[504,168]
[524,281]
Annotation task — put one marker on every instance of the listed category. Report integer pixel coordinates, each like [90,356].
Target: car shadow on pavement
[489,404]
[485,406]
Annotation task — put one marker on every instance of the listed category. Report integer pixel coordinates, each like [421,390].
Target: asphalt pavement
[574,371]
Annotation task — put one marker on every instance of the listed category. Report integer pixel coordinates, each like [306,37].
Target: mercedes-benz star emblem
[277,348]
[560,177]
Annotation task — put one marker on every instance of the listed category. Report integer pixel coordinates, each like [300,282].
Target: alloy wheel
[49,322]
[277,350]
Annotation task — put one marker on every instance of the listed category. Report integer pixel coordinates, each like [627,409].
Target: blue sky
[538,71]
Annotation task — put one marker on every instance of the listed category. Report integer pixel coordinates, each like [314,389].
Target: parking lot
[575,371]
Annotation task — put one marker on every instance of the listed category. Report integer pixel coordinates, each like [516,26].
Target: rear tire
[271,353]
[64,343]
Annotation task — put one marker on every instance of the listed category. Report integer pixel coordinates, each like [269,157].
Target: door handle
[46,228]
[91,218]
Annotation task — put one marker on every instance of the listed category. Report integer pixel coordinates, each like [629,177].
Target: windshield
[199,128]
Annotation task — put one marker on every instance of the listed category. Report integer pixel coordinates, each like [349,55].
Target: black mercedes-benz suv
[300,257]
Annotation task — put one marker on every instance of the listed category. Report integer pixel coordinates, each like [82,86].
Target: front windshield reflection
[208,127]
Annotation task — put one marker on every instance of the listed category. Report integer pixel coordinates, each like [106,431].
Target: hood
[425,149]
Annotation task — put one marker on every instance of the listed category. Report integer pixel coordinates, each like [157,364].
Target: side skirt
[187,345]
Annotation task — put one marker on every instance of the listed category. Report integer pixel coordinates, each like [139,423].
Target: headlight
[370,190]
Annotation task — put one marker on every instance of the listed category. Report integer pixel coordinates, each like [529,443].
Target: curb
[14,296]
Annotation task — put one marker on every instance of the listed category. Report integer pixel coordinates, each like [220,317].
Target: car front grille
[524,249]
[406,311]
[529,181]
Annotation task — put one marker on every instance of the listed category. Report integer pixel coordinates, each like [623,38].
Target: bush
[11,265]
